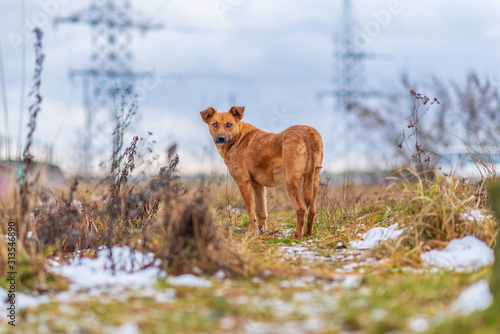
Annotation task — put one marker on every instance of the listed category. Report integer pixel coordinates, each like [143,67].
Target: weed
[35,92]
[123,118]
[420,154]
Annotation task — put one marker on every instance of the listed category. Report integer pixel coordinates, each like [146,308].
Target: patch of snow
[282,309]
[298,250]
[474,215]
[254,327]
[3,295]
[349,258]
[304,253]
[467,253]
[161,296]
[53,262]
[189,280]
[434,270]
[97,274]
[313,324]
[298,282]
[240,300]
[352,281]
[476,297]
[346,281]
[227,323]
[126,328]
[418,324]
[22,300]
[379,314]
[285,284]
[376,235]
[119,268]
[165,296]
[219,275]
[302,296]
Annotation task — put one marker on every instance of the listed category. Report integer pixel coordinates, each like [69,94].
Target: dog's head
[224,126]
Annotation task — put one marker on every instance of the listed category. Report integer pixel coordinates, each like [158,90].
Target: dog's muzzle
[221,140]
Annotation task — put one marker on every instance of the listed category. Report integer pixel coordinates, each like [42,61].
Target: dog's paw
[297,235]
[253,229]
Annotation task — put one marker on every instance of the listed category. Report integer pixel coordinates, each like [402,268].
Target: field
[145,250]
[197,270]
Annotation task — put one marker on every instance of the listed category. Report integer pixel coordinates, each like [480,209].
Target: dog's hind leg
[260,206]
[294,165]
[310,191]
[293,189]
[311,176]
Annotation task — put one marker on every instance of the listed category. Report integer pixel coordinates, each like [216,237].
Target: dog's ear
[237,113]
[207,114]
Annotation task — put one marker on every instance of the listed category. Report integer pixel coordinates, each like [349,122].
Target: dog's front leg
[246,192]
[260,206]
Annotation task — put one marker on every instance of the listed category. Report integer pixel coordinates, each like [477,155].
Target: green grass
[386,300]
[284,241]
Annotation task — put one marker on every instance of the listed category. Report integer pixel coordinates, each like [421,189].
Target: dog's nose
[220,139]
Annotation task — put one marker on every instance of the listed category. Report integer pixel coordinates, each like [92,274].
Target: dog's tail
[314,147]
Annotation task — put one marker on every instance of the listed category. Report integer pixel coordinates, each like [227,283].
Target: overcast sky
[272,56]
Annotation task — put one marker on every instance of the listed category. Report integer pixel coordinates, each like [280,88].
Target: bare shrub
[192,244]
[467,115]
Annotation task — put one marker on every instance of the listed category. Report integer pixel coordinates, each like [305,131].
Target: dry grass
[198,230]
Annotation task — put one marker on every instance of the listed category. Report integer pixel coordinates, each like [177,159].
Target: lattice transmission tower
[348,63]
[348,82]
[112,23]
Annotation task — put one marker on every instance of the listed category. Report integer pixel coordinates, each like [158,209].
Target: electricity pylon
[111,67]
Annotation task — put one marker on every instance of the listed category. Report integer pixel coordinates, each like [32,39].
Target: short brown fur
[257,159]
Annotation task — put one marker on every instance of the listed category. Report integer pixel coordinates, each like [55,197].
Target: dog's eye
[215,125]
[228,125]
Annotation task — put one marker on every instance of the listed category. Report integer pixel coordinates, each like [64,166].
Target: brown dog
[257,159]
